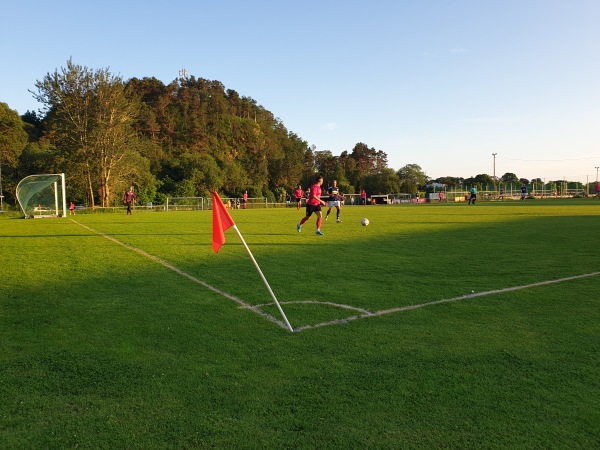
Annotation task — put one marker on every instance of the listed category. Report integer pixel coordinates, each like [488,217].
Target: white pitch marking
[365,313]
[454,299]
[184,274]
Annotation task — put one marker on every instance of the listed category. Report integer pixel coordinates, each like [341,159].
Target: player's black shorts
[312,208]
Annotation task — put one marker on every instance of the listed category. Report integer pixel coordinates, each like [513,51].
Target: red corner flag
[222,221]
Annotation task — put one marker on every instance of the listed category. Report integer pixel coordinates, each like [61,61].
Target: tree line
[181,139]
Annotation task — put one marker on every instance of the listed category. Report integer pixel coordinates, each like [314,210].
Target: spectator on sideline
[502,194]
[313,205]
[129,199]
[288,199]
[334,201]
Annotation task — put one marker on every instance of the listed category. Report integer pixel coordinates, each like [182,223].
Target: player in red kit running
[313,205]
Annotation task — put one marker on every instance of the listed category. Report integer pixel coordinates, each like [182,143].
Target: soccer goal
[184,203]
[397,199]
[42,196]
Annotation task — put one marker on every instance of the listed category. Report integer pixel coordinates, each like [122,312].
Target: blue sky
[438,83]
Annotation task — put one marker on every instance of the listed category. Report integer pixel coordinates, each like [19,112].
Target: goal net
[42,195]
[184,203]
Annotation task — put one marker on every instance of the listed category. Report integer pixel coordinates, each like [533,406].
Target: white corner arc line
[365,312]
[447,300]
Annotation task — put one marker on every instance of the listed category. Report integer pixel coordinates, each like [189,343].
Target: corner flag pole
[263,278]
[222,221]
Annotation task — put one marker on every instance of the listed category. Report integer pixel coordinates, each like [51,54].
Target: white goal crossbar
[184,203]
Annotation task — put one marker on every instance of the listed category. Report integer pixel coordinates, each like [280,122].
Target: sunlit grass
[102,347]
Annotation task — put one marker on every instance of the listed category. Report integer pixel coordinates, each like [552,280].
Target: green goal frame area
[42,196]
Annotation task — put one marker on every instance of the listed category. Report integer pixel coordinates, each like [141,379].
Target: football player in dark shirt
[334,200]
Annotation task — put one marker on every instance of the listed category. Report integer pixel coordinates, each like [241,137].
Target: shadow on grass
[385,269]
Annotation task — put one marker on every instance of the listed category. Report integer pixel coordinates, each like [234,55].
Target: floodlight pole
[494,155]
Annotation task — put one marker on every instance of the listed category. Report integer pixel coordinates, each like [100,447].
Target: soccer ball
[364,222]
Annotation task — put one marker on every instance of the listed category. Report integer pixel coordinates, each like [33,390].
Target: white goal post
[42,196]
[184,203]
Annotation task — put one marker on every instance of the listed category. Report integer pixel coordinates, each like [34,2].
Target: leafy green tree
[484,180]
[381,161]
[13,137]
[134,170]
[450,182]
[411,176]
[325,164]
[198,116]
[287,172]
[235,179]
[36,158]
[33,125]
[385,182]
[362,162]
[308,167]
[364,158]
[509,178]
[339,174]
[280,194]
[90,119]
[13,140]
[347,164]
[199,175]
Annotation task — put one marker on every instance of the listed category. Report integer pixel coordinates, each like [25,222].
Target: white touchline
[365,313]
[447,300]
[481,294]
[184,274]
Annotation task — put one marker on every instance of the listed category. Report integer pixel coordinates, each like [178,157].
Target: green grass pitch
[130,332]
